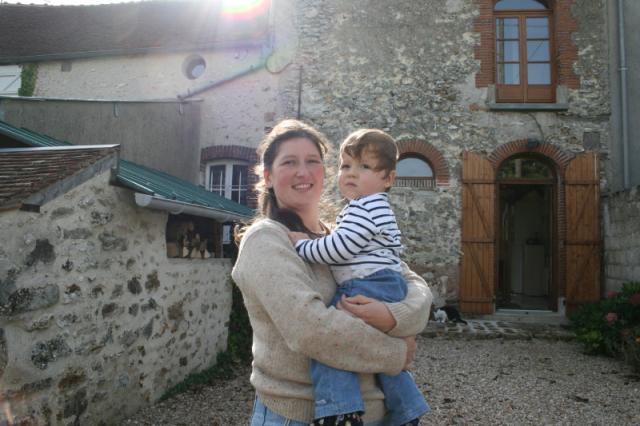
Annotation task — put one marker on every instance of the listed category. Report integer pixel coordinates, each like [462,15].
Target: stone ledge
[480,329]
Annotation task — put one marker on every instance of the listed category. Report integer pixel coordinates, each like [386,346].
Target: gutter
[623,95]
[178,207]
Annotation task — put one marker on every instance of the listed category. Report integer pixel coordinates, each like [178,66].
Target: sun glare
[243,9]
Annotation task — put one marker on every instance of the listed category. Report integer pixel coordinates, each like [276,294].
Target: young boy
[364,254]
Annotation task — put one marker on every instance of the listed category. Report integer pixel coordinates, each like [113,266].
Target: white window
[229,179]
[9,79]
[414,172]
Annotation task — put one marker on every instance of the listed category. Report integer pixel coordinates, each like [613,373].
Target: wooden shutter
[477,278]
[582,200]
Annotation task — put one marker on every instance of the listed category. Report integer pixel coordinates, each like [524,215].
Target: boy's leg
[403,399]
[335,391]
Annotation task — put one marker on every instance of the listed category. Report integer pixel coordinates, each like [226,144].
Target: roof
[154,182]
[31,167]
[35,33]
[27,172]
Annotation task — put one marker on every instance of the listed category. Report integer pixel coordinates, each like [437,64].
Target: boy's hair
[376,142]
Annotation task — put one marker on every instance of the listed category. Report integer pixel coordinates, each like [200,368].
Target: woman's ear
[267,178]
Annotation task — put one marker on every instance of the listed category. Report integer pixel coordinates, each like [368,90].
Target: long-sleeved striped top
[365,240]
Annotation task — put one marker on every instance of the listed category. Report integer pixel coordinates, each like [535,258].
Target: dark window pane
[507,28]
[413,167]
[537,28]
[507,51]
[539,73]
[520,5]
[508,73]
[239,185]
[216,179]
[526,168]
[537,51]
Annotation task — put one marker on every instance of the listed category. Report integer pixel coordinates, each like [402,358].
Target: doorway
[525,244]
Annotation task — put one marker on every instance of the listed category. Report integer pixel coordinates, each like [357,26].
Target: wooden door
[582,200]
[477,278]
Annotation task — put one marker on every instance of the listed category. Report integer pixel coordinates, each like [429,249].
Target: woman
[286,298]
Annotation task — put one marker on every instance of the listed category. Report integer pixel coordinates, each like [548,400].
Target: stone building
[96,320]
[502,110]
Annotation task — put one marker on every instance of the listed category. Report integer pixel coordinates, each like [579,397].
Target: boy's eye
[344,166]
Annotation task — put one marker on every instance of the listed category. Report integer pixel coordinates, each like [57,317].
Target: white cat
[440,316]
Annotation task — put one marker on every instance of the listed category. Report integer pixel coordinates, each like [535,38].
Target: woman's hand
[412,347]
[371,311]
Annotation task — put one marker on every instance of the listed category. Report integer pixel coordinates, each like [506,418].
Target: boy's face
[358,177]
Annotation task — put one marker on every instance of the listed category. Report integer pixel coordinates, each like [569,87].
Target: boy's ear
[391,178]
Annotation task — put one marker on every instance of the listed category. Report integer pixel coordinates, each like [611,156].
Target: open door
[477,278]
[582,195]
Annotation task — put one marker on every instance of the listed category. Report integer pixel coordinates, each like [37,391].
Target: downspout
[623,95]
[211,85]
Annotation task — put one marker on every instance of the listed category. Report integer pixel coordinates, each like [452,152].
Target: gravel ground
[477,382]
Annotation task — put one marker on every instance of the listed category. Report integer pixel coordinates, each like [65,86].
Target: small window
[194,66]
[229,179]
[524,52]
[524,168]
[414,172]
[193,237]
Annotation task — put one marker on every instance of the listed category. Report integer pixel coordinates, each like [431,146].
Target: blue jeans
[262,416]
[338,391]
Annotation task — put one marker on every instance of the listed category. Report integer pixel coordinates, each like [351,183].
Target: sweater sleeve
[412,313]
[269,271]
[354,232]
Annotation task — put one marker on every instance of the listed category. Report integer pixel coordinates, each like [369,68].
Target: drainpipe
[211,85]
[623,94]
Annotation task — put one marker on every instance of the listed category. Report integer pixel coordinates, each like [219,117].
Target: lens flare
[244,9]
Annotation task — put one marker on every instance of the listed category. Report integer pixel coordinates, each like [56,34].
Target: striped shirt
[366,240]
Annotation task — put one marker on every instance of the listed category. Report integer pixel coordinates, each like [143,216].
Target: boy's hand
[371,311]
[297,236]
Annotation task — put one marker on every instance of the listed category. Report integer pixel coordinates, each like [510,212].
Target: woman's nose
[302,170]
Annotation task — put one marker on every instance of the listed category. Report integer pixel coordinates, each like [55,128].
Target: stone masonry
[95,321]
[622,238]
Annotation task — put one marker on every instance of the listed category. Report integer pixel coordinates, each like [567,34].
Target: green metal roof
[154,182]
[142,179]
[28,137]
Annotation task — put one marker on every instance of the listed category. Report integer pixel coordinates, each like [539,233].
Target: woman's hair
[268,151]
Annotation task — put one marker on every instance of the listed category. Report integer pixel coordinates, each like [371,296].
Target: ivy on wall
[28,77]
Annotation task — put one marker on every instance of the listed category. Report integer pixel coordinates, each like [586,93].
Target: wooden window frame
[524,92]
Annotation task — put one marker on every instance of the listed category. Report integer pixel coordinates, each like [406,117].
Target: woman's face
[297,176]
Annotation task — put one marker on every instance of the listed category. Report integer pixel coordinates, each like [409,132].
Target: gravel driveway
[477,382]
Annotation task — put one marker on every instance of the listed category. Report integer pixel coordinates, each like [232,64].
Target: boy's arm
[355,231]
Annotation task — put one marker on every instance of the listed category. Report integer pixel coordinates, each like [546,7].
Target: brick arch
[559,157]
[230,152]
[431,154]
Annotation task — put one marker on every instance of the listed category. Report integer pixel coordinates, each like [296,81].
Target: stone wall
[621,238]
[95,321]
[408,67]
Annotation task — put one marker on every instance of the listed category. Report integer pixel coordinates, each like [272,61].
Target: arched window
[524,51]
[415,172]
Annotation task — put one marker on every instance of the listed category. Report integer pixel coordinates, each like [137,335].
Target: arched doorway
[526,240]
[570,257]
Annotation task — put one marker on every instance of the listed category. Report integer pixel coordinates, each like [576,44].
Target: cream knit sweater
[286,300]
